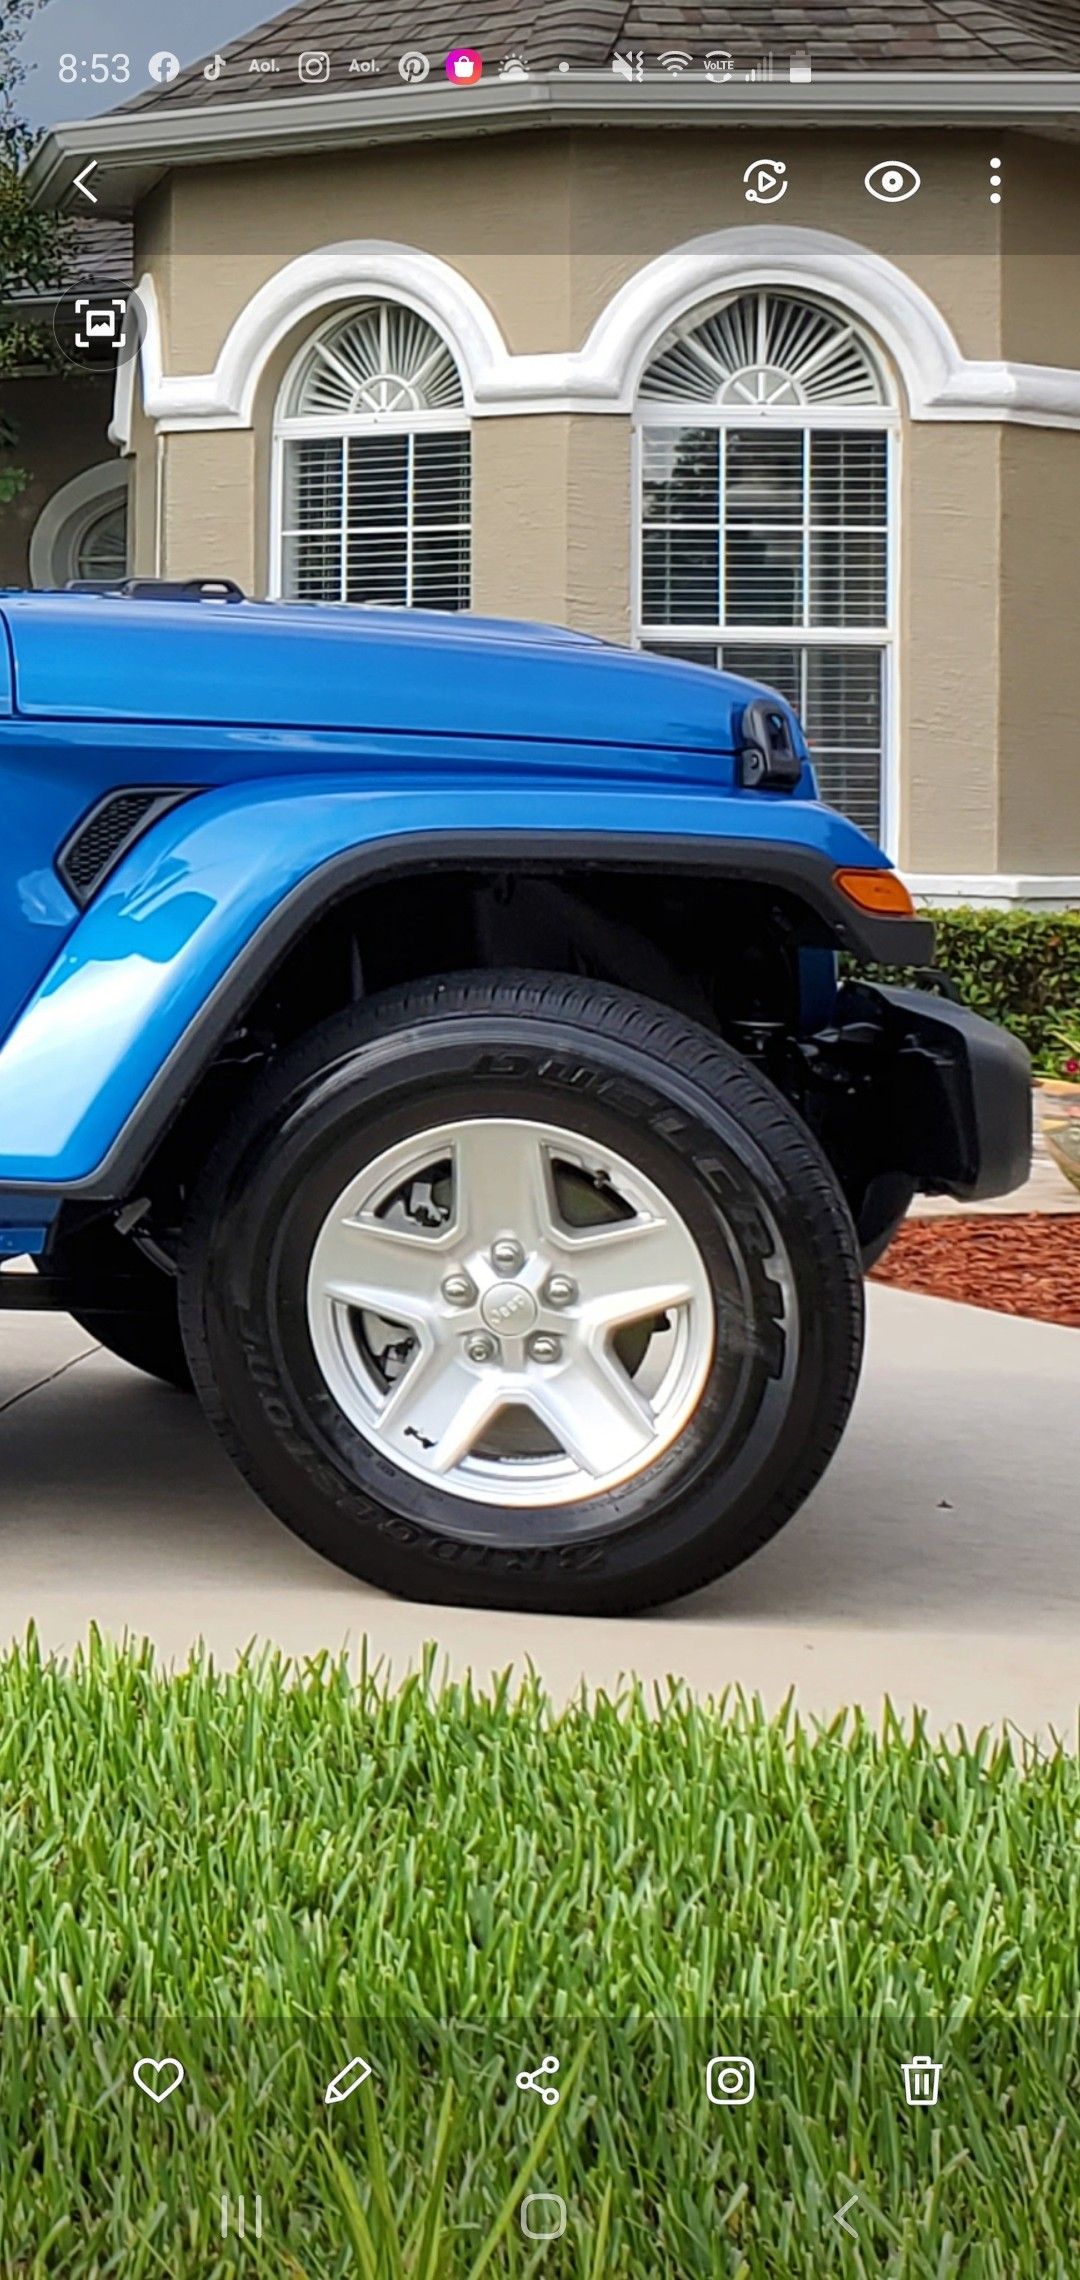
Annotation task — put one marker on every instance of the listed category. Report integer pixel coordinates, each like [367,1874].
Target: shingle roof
[842,35]
[101,253]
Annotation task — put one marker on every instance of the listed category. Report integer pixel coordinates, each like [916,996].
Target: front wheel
[524,1292]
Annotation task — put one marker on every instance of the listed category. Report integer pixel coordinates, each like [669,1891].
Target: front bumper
[953,1096]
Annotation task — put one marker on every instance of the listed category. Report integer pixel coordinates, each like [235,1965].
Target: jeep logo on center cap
[509,1307]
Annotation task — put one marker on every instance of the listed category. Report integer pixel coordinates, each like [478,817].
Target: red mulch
[1017,1263]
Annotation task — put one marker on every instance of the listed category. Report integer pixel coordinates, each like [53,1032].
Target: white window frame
[881,418]
[291,429]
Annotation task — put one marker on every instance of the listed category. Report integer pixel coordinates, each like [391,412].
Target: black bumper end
[958,1097]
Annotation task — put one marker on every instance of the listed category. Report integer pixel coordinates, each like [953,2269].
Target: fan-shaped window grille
[765,455]
[376,479]
[102,548]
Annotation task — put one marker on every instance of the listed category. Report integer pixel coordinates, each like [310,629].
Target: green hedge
[1018,967]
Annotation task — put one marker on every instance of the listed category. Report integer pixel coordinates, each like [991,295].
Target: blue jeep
[425,1035]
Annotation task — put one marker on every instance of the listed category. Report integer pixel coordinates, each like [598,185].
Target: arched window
[82,531]
[102,551]
[375,466]
[765,446]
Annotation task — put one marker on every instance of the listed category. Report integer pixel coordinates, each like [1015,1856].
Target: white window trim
[290,428]
[600,376]
[66,517]
[995,890]
[882,418]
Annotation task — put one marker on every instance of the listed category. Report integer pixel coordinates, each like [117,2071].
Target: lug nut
[458,1290]
[560,1291]
[507,1255]
[545,1349]
[481,1349]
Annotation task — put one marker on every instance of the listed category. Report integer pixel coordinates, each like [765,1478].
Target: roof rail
[160,589]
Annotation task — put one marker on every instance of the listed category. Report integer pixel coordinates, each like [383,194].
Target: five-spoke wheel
[510,1313]
[523,1291]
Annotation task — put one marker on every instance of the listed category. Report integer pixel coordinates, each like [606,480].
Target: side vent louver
[103,836]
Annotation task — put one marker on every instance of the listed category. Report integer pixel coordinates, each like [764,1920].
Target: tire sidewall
[245,1308]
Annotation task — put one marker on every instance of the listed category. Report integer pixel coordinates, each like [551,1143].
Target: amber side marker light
[881,891]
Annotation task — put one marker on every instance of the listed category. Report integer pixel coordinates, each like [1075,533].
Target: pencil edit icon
[348,2080]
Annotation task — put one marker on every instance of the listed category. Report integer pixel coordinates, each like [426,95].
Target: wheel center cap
[509,1307]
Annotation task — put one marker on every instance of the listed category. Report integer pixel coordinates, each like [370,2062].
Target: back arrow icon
[841,2216]
[80,181]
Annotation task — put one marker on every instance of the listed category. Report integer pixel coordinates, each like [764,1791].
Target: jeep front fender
[163,962]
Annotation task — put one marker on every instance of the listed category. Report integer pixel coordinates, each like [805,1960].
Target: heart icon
[159,2077]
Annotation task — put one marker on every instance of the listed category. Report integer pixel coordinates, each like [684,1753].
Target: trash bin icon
[922,2081]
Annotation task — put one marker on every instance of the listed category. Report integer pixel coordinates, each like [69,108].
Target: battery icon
[800,69]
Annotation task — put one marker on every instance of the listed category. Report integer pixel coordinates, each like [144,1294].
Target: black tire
[884,1210]
[741,1169]
[148,1337]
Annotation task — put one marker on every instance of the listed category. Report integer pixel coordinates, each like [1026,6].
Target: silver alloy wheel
[512,1313]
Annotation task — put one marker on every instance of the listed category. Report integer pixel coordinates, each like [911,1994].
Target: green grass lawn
[263,1873]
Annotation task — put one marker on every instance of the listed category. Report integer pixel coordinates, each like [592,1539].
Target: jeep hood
[90,657]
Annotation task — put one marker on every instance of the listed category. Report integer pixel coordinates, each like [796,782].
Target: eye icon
[892,181]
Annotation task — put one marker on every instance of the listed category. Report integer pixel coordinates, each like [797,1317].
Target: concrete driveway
[938,1562]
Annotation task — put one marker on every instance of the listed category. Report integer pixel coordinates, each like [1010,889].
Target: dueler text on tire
[522,1291]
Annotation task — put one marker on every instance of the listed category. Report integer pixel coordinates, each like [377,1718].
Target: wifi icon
[675,60]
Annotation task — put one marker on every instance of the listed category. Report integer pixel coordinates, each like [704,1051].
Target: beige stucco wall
[547,228]
[1039,806]
[207,507]
[551,515]
[1040,238]
[949,666]
[148,450]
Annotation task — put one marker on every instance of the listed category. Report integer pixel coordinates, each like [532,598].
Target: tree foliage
[31,244]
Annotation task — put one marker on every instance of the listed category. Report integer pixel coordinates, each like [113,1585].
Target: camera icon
[313,66]
[730,2081]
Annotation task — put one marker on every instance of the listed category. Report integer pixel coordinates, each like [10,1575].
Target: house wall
[552,522]
[950,656]
[547,228]
[62,421]
[1039,801]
